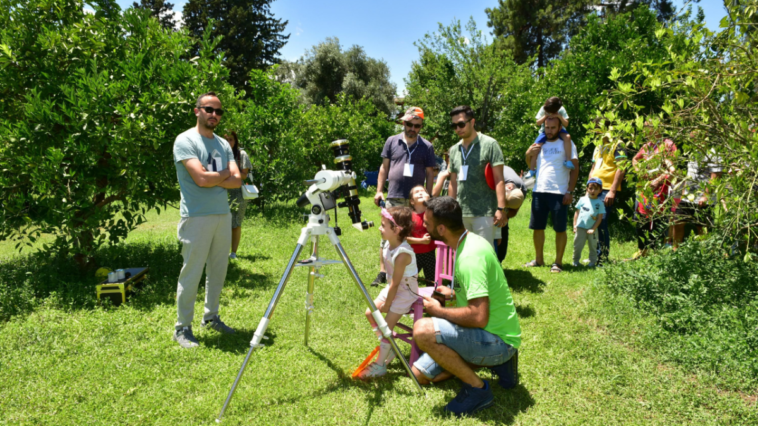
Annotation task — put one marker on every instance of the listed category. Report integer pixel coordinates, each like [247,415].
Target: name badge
[463,174]
[408,170]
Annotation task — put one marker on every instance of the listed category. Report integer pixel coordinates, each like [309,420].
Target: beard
[435,236]
[410,134]
[209,124]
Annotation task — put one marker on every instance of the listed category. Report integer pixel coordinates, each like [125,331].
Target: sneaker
[507,372]
[381,278]
[185,338]
[569,164]
[530,174]
[470,400]
[233,256]
[215,323]
[373,370]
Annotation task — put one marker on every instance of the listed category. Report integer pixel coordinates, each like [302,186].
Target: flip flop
[556,268]
[532,264]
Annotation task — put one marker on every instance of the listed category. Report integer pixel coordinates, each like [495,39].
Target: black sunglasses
[414,126]
[460,124]
[211,110]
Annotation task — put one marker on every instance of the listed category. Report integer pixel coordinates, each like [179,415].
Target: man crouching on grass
[205,168]
[482,330]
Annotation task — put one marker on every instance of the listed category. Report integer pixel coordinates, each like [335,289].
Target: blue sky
[387,29]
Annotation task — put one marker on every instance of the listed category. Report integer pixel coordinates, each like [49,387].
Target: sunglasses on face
[413,126]
[211,110]
[460,124]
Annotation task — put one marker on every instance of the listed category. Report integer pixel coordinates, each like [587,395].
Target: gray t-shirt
[421,157]
[510,176]
[214,154]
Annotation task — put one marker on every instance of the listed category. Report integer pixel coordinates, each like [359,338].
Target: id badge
[217,164]
[463,174]
[408,170]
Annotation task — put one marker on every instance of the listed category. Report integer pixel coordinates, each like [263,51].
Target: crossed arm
[227,178]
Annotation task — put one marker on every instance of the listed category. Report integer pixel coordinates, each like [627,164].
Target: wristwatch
[501,208]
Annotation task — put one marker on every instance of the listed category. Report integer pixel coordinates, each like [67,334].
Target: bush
[705,302]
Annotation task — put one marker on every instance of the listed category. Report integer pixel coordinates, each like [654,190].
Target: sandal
[532,264]
[556,268]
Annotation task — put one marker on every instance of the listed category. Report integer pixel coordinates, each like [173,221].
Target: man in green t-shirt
[483,208]
[482,330]
[205,169]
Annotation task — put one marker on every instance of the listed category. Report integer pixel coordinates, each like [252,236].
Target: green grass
[65,361]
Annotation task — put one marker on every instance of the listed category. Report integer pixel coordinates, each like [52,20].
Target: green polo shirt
[474,195]
[479,274]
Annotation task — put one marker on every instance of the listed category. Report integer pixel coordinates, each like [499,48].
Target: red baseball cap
[413,112]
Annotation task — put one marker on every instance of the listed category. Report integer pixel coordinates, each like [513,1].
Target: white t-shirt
[541,113]
[552,175]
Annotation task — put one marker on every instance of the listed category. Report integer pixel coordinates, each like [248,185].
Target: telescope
[324,189]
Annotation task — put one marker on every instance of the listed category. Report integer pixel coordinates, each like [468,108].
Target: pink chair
[443,270]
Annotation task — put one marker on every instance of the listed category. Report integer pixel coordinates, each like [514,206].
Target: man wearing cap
[483,208]
[514,197]
[408,160]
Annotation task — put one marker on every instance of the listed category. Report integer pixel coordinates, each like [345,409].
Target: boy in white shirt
[553,108]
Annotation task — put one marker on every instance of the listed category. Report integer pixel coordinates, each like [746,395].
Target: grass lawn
[67,364]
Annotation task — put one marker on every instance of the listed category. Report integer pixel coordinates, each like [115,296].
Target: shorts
[542,138]
[545,204]
[687,212]
[404,298]
[475,345]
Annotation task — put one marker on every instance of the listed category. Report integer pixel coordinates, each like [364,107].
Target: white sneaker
[373,370]
[233,256]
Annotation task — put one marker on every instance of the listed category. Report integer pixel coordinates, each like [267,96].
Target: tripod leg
[263,325]
[374,311]
[309,293]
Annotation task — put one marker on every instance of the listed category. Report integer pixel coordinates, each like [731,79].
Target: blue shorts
[474,345]
[542,138]
[544,204]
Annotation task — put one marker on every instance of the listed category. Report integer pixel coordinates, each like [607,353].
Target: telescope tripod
[317,226]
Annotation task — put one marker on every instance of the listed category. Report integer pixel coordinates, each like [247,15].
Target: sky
[387,29]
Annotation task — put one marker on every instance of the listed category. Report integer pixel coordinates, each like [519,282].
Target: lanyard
[409,151]
[458,246]
[465,156]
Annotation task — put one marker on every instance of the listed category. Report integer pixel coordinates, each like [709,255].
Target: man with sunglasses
[205,168]
[408,160]
[483,209]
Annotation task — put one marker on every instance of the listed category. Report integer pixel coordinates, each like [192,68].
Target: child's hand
[590,231]
[426,239]
[385,308]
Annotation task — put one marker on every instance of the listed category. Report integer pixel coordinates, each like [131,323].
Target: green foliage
[89,103]
[706,103]
[327,71]
[161,10]
[288,142]
[457,68]
[541,29]
[250,35]
[704,300]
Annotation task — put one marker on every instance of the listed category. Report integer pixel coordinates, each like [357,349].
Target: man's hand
[568,199]
[431,306]
[702,201]
[610,198]
[500,219]
[590,231]
[378,197]
[575,229]
[534,149]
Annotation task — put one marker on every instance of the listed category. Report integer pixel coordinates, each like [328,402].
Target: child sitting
[553,108]
[396,299]
[588,216]
[420,240]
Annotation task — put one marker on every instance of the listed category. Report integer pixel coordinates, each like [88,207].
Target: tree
[536,27]
[327,71]
[90,106]
[543,28]
[251,36]
[457,68]
[162,10]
